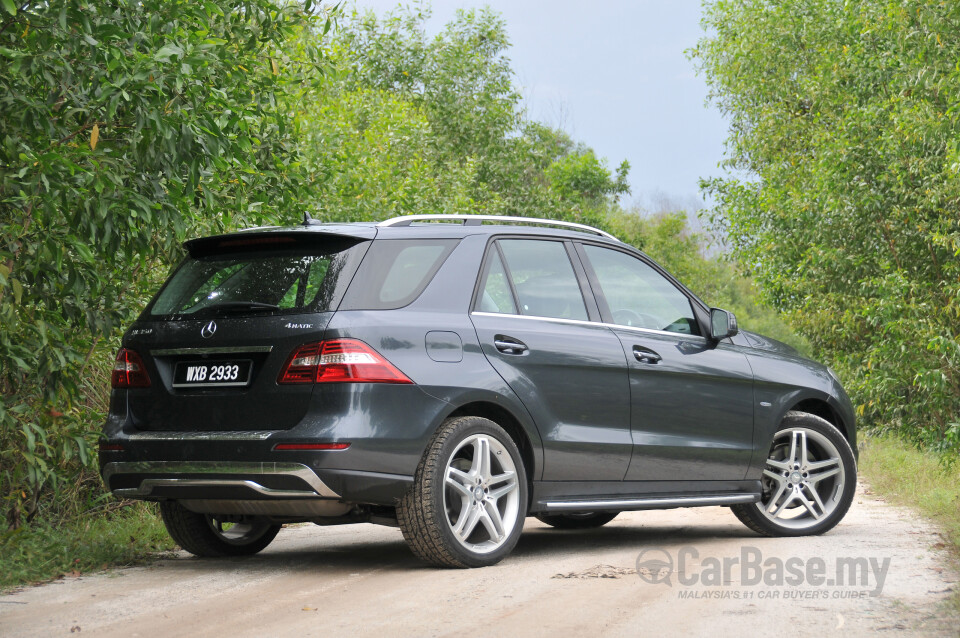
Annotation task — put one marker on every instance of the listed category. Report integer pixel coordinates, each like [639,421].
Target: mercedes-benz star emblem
[208,330]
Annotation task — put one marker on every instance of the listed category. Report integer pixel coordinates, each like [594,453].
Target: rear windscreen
[286,282]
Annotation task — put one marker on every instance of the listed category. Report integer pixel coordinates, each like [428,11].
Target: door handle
[509,345]
[646,355]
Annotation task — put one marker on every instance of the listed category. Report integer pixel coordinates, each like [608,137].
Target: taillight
[129,371]
[339,361]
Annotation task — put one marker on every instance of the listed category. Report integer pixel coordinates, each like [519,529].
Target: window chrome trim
[580,322]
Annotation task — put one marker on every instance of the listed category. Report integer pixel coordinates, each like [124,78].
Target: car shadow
[357,555]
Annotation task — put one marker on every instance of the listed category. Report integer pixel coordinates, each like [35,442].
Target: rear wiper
[241,305]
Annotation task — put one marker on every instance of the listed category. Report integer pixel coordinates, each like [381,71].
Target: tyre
[808,482]
[578,520]
[469,496]
[208,535]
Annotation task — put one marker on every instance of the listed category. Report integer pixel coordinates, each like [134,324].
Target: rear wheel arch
[506,420]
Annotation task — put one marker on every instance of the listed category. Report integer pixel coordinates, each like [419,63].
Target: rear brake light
[311,446]
[339,361]
[129,371]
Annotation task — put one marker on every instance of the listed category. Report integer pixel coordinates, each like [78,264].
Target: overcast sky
[613,74]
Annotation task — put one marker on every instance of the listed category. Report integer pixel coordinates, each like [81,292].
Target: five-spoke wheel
[808,481]
[468,501]
[481,498]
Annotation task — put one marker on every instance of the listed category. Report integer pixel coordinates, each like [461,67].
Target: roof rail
[476,220]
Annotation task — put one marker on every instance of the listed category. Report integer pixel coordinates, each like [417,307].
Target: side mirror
[723,324]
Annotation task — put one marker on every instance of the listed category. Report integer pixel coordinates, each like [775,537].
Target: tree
[469,134]
[843,120]
[124,128]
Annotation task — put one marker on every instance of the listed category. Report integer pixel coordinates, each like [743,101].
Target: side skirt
[592,496]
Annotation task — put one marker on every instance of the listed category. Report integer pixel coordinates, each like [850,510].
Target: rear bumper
[386,428]
[297,486]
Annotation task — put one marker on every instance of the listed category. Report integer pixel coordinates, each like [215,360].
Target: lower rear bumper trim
[222,474]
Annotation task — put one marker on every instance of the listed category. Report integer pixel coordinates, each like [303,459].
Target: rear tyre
[209,535]
[808,482]
[578,520]
[469,496]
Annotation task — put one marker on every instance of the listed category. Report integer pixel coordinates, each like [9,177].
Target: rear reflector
[129,371]
[311,446]
[110,447]
[339,361]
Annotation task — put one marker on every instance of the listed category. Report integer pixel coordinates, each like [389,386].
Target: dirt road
[360,580]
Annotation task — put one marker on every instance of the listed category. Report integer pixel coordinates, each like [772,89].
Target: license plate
[196,374]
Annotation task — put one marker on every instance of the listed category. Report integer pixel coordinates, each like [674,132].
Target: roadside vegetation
[920,480]
[915,478]
[845,186]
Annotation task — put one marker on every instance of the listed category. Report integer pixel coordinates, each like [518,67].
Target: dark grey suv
[454,378]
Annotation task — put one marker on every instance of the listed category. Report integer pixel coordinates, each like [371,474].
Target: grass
[907,476]
[42,551]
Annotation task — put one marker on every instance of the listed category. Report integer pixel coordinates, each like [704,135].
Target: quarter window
[638,295]
[395,272]
[496,295]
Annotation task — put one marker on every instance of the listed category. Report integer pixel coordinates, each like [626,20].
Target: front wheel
[469,496]
[808,482]
[209,536]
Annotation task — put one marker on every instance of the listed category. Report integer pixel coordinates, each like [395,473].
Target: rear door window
[543,278]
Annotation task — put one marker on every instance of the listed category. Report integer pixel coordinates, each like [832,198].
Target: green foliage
[845,117]
[128,534]
[124,128]
[409,124]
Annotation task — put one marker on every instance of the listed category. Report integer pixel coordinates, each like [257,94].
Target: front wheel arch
[823,409]
[809,479]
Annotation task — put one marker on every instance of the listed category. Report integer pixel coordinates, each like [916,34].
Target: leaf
[17,290]
[275,66]
[9,7]
[167,51]
[94,137]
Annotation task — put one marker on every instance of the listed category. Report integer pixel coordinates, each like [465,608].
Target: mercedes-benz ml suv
[452,379]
